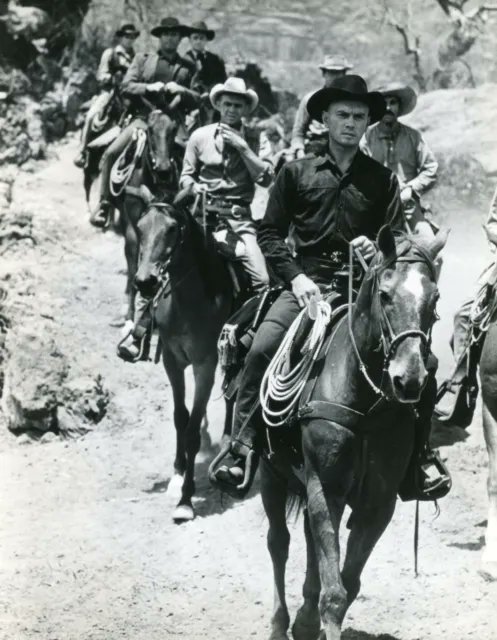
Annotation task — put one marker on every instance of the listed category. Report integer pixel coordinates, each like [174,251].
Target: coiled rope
[483,308]
[282,385]
[120,175]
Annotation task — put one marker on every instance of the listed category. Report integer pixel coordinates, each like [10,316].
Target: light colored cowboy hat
[348,87]
[405,95]
[201,27]
[170,24]
[235,86]
[335,63]
[127,30]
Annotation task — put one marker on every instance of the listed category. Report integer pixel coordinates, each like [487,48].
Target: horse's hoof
[488,567]
[183,513]
[306,630]
[175,487]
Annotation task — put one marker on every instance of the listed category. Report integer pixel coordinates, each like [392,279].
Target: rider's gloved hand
[305,290]
[198,188]
[406,194]
[155,87]
[174,87]
[365,246]
[299,153]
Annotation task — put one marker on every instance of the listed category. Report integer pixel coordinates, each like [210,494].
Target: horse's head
[160,232]
[162,129]
[405,294]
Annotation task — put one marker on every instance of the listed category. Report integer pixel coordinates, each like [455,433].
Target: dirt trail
[87,547]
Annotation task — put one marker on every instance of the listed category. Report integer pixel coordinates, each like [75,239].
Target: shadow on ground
[352,634]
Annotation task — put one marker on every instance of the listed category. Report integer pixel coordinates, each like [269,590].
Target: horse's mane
[211,265]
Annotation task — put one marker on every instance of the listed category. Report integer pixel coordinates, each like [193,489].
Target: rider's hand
[231,137]
[174,87]
[365,246]
[155,87]
[406,194]
[304,289]
[198,188]
[299,153]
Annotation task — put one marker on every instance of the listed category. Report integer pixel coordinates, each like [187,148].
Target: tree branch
[411,41]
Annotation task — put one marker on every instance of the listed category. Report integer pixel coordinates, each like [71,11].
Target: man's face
[392,112]
[232,109]
[127,42]
[329,76]
[347,121]
[170,40]
[198,41]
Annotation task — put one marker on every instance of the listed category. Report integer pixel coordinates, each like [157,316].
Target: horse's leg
[489,558]
[308,622]
[131,249]
[367,527]
[274,494]
[329,462]
[176,374]
[204,381]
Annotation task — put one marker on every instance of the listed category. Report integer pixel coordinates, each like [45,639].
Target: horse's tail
[295,504]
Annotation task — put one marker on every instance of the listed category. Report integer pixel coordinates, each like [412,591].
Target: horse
[155,174]
[488,379]
[104,128]
[189,316]
[357,434]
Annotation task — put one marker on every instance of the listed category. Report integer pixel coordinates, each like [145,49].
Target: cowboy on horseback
[114,64]
[404,151]
[221,167]
[332,201]
[209,66]
[309,135]
[470,327]
[155,77]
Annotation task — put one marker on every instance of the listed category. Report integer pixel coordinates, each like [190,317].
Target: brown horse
[189,315]
[357,435]
[488,379]
[155,175]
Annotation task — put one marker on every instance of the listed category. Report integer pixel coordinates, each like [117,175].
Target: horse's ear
[438,243]
[386,242]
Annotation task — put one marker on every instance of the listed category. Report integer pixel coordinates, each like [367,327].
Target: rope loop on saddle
[282,384]
[122,169]
[483,309]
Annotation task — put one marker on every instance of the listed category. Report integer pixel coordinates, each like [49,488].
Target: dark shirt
[326,208]
[209,70]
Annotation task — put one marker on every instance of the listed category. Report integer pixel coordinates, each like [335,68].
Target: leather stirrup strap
[331,411]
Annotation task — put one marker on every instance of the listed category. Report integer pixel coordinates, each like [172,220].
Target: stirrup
[141,350]
[234,490]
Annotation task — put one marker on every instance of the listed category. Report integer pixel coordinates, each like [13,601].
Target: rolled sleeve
[189,172]
[427,166]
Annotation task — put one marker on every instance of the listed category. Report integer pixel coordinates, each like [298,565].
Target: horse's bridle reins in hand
[391,341]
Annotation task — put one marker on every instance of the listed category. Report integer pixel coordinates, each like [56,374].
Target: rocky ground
[87,547]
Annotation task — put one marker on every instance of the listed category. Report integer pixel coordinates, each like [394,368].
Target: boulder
[42,392]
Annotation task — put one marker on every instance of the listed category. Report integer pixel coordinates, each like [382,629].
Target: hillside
[288,38]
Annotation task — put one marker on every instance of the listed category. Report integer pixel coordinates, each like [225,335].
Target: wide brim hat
[201,27]
[127,30]
[234,86]
[335,63]
[406,96]
[170,24]
[351,88]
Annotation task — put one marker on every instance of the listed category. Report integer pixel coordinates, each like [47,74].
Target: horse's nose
[146,285]
[407,389]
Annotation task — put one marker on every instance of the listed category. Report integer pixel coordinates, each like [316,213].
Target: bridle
[389,340]
[173,176]
[164,265]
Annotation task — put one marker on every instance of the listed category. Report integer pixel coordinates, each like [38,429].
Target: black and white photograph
[248,320]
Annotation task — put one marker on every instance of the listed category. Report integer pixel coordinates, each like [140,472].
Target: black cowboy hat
[201,27]
[170,24]
[127,30]
[348,87]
